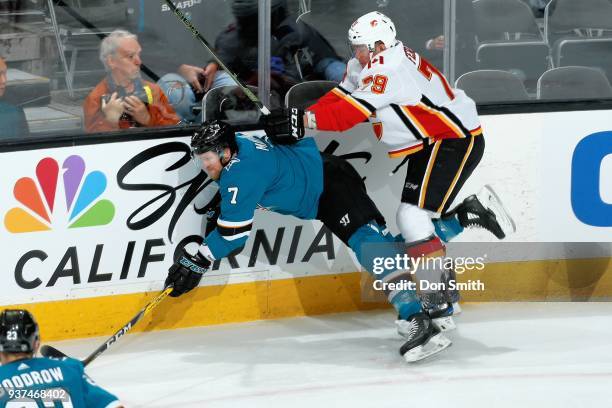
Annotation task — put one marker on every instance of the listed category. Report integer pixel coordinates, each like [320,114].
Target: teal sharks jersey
[44,382]
[286,179]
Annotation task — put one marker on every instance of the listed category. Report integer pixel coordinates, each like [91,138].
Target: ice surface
[503,355]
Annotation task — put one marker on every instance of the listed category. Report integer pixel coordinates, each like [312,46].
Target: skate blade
[456,309]
[435,345]
[492,202]
[444,324]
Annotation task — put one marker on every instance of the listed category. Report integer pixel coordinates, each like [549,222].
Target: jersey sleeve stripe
[236,236]
[425,182]
[405,151]
[230,224]
[233,231]
[340,91]
[357,104]
[366,104]
[454,183]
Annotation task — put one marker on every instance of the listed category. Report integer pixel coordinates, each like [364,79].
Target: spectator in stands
[12,118]
[299,52]
[123,99]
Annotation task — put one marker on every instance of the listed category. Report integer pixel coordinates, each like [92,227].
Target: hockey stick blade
[51,352]
[187,22]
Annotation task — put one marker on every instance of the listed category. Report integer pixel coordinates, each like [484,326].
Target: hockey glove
[284,126]
[186,273]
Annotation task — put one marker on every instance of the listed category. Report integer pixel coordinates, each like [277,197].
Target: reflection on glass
[229,103]
[299,52]
[523,38]
[123,100]
[12,116]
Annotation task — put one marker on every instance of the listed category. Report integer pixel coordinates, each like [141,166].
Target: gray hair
[109,45]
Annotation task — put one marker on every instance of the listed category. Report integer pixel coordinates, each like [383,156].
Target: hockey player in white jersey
[414,110]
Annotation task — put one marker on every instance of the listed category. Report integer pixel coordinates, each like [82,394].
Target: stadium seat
[577,19]
[574,83]
[492,86]
[304,94]
[509,39]
[229,103]
[580,33]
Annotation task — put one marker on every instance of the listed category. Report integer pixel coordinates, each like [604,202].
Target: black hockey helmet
[214,135]
[249,8]
[18,331]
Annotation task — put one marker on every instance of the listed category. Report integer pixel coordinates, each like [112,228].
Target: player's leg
[427,252]
[433,179]
[347,210]
[483,210]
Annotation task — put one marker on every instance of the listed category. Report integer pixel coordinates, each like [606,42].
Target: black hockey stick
[181,16]
[49,351]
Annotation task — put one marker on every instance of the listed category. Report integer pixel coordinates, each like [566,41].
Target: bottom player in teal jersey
[297,179]
[30,382]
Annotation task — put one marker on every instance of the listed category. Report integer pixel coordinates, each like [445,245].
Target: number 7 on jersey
[234,191]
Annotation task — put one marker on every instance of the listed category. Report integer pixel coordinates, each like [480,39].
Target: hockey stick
[181,16]
[49,351]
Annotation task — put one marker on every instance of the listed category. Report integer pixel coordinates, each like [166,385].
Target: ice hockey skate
[441,315]
[486,210]
[442,305]
[423,338]
[452,294]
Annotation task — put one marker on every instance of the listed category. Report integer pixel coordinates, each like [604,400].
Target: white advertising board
[104,219]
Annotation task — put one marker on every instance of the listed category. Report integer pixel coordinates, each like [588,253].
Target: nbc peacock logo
[39,210]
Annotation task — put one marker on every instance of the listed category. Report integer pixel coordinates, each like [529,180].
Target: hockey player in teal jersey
[29,382]
[297,180]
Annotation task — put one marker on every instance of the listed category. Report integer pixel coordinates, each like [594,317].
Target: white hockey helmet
[370,28]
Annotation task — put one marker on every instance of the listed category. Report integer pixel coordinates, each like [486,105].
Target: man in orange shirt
[122,99]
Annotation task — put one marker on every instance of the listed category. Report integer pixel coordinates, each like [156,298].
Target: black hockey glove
[186,273]
[284,126]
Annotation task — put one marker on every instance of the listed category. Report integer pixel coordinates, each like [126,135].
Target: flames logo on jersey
[37,198]
[374,23]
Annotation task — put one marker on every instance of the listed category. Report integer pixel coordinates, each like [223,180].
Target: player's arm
[240,194]
[379,88]
[239,197]
[285,126]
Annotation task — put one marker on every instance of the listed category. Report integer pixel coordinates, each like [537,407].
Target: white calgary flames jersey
[407,100]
